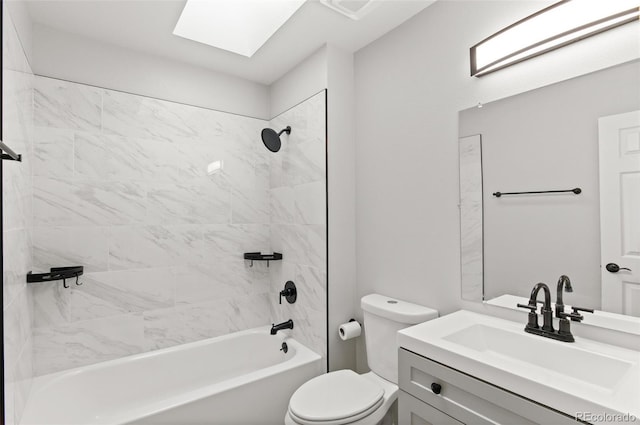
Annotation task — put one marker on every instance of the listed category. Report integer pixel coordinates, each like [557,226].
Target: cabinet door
[412,411]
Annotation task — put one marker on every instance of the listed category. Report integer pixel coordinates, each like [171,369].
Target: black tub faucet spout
[281,326]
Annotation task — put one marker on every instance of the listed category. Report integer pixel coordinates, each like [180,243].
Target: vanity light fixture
[556,26]
[239,26]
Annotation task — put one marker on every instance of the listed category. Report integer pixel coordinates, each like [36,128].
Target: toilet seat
[341,421]
[335,398]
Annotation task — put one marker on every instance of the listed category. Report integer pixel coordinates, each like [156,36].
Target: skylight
[239,26]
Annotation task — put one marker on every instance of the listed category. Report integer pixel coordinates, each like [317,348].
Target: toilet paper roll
[349,330]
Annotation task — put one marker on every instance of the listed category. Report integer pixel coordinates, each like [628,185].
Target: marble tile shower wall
[17,121]
[121,187]
[299,221]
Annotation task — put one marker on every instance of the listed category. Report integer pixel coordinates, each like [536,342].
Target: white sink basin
[584,376]
[519,350]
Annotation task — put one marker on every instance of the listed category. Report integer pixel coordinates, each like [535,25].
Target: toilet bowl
[342,397]
[345,397]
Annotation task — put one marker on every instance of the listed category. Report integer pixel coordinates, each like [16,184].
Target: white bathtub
[241,378]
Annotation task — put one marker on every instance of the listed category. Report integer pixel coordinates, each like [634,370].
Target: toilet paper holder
[342,330]
[349,334]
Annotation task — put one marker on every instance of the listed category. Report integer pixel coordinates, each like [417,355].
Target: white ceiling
[147,26]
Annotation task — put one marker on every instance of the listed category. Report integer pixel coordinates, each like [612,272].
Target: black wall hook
[57,273]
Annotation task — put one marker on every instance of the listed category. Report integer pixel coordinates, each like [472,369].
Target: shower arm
[285,130]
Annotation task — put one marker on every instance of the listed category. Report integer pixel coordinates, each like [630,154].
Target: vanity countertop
[584,376]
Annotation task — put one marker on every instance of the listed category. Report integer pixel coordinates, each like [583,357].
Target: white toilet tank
[383,318]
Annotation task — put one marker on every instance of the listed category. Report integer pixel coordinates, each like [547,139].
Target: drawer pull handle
[436,388]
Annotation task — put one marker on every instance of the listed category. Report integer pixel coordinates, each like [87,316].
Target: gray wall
[68,57]
[410,85]
[300,83]
[343,303]
[542,140]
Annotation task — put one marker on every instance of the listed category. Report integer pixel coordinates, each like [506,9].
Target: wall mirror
[581,133]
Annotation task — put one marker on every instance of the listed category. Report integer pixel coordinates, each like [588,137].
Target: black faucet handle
[288,292]
[533,315]
[575,317]
[586,310]
[284,293]
[533,308]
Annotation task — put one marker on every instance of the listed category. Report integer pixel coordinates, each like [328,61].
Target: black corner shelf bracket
[57,273]
[10,158]
[258,256]
[10,155]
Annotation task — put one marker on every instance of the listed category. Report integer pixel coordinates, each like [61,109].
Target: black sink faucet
[563,283]
[547,312]
[281,326]
[564,331]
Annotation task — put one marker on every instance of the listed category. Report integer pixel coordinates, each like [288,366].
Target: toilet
[345,397]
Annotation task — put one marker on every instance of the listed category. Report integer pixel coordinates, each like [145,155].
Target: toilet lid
[334,396]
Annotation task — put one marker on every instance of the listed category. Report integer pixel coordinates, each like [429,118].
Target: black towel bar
[577,191]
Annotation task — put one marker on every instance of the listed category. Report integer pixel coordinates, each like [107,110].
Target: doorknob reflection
[614,268]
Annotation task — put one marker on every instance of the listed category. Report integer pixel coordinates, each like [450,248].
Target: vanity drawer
[412,411]
[467,399]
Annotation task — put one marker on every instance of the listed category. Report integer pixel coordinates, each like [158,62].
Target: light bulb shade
[556,26]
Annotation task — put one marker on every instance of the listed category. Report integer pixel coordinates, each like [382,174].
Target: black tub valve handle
[289,292]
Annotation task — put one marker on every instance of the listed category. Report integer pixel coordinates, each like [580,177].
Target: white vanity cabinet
[458,398]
